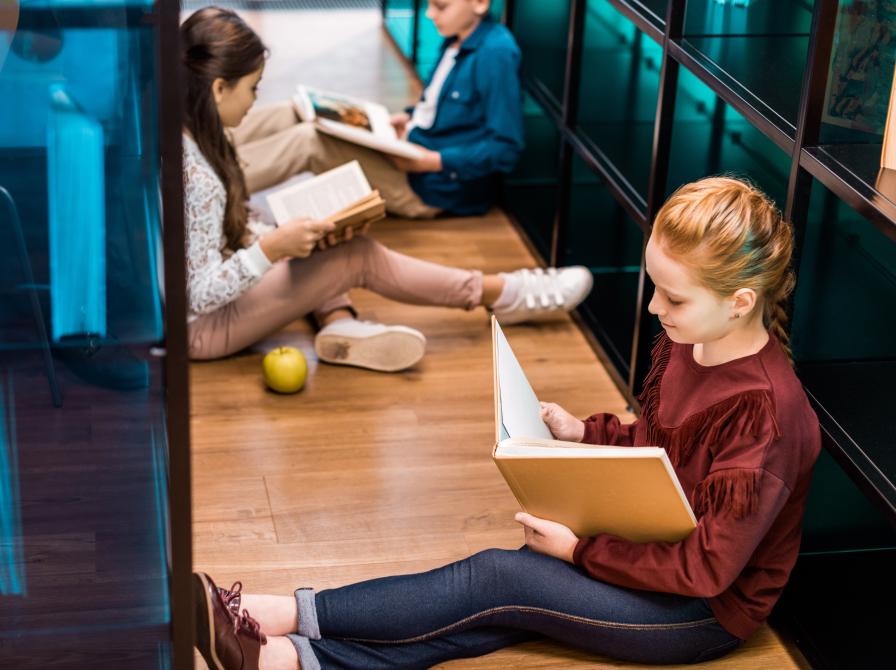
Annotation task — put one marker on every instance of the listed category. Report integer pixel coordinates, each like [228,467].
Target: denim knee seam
[537,610]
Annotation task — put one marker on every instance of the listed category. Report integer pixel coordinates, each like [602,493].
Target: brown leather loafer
[231,597]
[226,642]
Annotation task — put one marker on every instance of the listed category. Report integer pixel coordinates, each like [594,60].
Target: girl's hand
[562,424]
[399,121]
[548,537]
[295,238]
[430,161]
[332,239]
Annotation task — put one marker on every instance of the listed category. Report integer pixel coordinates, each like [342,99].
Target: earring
[737,315]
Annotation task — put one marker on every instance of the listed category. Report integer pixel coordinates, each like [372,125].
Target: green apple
[285,370]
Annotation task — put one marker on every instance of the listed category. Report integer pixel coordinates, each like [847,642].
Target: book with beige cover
[630,492]
[341,195]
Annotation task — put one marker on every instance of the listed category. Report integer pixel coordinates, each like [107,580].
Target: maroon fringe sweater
[743,439]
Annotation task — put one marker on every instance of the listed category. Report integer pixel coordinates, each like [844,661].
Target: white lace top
[215,275]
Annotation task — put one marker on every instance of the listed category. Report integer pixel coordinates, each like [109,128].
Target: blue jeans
[494,599]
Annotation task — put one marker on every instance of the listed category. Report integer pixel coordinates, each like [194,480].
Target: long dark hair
[216,43]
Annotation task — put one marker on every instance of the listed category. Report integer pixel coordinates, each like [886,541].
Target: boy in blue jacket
[468,125]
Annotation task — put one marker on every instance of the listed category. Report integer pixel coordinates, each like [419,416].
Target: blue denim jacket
[478,127]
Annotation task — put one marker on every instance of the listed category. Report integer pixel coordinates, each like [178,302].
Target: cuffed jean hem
[308,626]
[307,659]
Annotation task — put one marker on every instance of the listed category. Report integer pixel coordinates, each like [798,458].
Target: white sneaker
[369,345]
[545,293]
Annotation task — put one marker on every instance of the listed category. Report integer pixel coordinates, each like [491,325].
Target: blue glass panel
[12,565]
[77,226]
[399,21]
[709,137]
[530,192]
[618,93]
[604,238]
[541,29]
[758,49]
[83,518]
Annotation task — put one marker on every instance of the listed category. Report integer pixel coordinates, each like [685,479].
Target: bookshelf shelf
[851,171]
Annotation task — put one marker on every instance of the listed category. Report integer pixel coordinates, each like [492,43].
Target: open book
[630,492]
[341,195]
[353,120]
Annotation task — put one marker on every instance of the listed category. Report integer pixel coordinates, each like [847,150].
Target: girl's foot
[226,642]
[531,295]
[369,345]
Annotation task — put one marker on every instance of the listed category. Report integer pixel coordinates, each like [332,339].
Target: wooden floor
[365,474]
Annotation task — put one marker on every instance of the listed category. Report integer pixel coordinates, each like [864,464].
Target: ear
[743,303]
[219,87]
[481,7]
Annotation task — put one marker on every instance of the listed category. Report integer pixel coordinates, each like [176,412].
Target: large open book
[353,120]
[630,492]
[341,195]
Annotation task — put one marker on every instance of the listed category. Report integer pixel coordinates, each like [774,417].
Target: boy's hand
[548,537]
[430,161]
[562,424]
[400,121]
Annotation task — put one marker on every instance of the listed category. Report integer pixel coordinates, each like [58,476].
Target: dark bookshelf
[633,98]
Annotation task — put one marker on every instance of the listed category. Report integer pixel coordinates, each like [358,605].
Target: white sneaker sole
[397,349]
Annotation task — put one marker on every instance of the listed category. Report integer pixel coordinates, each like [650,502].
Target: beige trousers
[293,289]
[274,145]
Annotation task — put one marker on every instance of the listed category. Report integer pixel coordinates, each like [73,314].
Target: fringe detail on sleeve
[742,414]
[732,490]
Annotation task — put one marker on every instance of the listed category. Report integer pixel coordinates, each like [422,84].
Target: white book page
[322,196]
[520,409]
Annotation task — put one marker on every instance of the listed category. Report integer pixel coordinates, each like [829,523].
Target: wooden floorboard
[365,474]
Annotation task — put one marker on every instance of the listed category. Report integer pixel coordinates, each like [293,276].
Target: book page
[520,409]
[322,196]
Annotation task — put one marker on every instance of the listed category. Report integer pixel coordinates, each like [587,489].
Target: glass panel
[83,570]
[846,282]
[758,48]
[399,21]
[541,28]
[654,10]
[709,137]
[530,192]
[429,42]
[602,237]
[618,94]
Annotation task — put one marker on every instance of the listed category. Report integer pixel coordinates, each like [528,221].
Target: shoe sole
[385,352]
[205,623]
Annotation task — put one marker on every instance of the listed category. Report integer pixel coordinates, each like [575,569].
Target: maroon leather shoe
[231,597]
[225,641]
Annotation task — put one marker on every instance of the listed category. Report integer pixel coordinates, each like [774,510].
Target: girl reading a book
[724,402]
[468,126]
[247,280]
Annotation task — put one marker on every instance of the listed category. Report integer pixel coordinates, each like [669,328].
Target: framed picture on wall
[862,61]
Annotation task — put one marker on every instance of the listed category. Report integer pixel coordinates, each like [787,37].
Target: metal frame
[176,367]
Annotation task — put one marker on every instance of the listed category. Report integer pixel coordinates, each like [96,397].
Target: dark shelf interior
[852,171]
[619,127]
[857,418]
[610,246]
[832,599]
[759,17]
[709,137]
